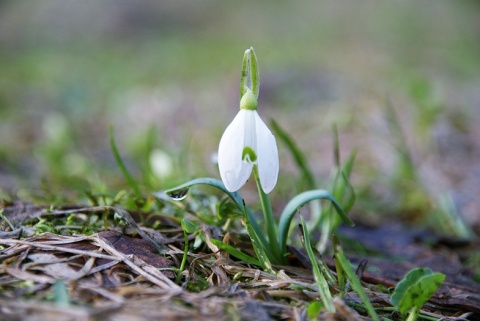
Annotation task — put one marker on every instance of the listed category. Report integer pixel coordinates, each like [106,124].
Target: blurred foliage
[165,74]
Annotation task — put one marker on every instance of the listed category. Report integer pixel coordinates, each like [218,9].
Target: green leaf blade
[116,154]
[298,156]
[236,253]
[183,189]
[347,268]
[416,288]
[320,280]
[297,202]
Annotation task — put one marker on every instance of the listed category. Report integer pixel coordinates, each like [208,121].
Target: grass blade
[298,156]
[345,265]
[236,253]
[320,280]
[122,166]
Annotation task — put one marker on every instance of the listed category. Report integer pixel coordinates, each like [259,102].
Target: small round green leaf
[416,288]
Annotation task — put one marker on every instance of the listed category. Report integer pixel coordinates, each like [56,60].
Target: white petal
[233,171]
[267,153]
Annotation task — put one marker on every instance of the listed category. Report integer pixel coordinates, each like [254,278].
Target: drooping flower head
[247,141]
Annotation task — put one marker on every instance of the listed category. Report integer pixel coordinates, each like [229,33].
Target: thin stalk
[269,219]
[184,258]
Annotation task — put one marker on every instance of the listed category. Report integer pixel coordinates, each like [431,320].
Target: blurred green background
[400,79]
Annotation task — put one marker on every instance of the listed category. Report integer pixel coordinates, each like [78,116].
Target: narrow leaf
[313,310]
[298,155]
[259,249]
[234,196]
[122,166]
[297,202]
[236,253]
[345,265]
[320,280]
[336,146]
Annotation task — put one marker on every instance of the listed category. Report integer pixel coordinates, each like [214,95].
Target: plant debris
[118,274]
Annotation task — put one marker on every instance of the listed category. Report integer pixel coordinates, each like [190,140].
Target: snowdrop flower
[247,142]
[161,163]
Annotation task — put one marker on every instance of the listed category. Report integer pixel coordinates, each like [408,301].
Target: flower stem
[269,219]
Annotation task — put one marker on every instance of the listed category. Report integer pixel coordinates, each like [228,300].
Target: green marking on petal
[249,155]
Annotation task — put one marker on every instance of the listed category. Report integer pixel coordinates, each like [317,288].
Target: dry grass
[115,275]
